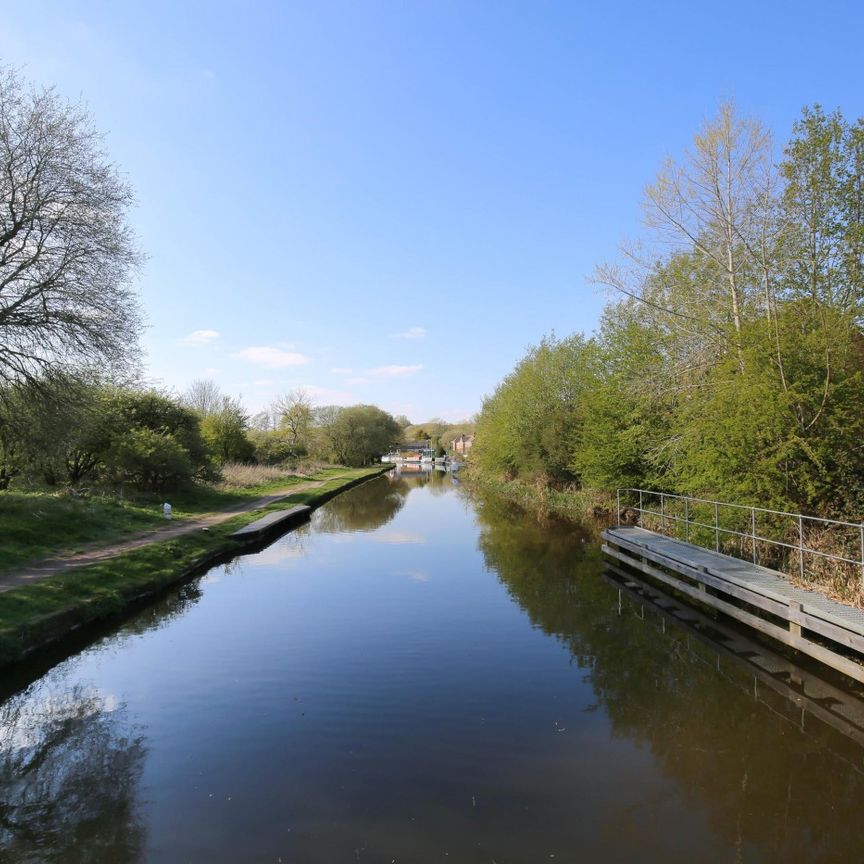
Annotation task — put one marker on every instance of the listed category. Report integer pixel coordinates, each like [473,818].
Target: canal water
[420,676]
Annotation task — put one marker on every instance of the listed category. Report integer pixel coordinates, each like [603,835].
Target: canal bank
[37,615]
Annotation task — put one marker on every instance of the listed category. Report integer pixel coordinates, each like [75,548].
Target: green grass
[39,524]
[34,614]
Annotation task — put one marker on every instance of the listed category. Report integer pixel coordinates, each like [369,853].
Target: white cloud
[342,370]
[199,337]
[357,382]
[394,371]
[411,333]
[271,358]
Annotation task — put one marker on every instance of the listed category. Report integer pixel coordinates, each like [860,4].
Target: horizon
[386,204]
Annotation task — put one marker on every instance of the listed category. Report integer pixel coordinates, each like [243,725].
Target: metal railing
[680,509]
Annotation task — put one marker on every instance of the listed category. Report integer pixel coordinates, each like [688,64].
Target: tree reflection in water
[367,507]
[763,782]
[70,766]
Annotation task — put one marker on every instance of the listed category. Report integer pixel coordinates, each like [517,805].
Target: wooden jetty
[272,522]
[764,599]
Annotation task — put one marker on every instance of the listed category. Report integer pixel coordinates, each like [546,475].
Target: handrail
[800,547]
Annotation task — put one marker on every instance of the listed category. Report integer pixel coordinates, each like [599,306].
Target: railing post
[862,557]
[687,519]
[716,528]
[618,500]
[641,508]
[753,531]
[801,545]
[662,513]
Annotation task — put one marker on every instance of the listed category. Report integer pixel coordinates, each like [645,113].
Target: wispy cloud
[398,538]
[394,371]
[411,333]
[199,337]
[271,358]
[329,396]
[342,370]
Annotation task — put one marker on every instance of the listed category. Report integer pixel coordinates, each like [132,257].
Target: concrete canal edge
[109,591]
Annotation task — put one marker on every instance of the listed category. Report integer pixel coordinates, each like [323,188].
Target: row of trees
[293,427]
[730,359]
[70,430]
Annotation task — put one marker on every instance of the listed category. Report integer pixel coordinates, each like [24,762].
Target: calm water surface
[418,677]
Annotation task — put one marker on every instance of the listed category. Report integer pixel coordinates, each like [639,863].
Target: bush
[151,460]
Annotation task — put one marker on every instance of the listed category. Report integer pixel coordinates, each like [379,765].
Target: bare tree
[66,250]
[204,397]
[715,212]
[295,416]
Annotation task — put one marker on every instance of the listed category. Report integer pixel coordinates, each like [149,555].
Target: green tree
[224,432]
[529,426]
[360,434]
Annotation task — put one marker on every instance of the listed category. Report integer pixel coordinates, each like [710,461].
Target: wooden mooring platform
[764,599]
[273,522]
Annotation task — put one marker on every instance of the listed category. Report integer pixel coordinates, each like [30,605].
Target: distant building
[462,444]
[415,451]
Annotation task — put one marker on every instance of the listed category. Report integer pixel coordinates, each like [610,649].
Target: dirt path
[98,553]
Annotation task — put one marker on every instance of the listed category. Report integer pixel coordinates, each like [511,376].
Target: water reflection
[424,677]
[368,507]
[70,765]
[776,785]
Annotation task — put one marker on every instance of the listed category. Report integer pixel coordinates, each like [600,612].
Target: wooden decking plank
[752,576]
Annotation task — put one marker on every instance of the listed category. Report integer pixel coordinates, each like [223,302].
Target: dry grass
[239,476]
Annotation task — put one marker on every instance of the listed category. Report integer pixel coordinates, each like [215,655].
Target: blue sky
[389,201]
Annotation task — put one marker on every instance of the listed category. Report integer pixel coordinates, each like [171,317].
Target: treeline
[729,361]
[438,432]
[71,431]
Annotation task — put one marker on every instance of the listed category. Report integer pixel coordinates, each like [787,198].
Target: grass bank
[40,523]
[36,615]
[570,502]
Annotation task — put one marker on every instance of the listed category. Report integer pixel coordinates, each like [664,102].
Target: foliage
[149,459]
[731,362]
[530,424]
[224,433]
[359,435]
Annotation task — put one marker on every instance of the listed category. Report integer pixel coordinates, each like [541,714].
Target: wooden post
[794,613]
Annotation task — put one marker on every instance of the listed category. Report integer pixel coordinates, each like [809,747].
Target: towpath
[96,553]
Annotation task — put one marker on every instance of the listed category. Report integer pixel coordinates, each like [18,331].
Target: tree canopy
[730,357]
